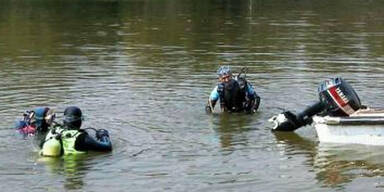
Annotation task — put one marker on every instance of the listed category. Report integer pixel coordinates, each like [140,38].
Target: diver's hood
[72,117]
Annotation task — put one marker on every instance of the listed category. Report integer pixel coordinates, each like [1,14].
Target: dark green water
[143,69]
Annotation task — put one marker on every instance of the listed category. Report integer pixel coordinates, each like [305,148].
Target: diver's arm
[253,97]
[210,106]
[212,101]
[85,142]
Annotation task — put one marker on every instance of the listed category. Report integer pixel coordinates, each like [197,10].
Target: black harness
[232,95]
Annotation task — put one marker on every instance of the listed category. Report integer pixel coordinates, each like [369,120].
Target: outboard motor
[337,98]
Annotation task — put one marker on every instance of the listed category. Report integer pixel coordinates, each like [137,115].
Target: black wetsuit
[84,142]
[235,96]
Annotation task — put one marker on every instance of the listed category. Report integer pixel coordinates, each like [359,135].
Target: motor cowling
[337,98]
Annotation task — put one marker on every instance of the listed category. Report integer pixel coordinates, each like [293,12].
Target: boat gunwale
[350,120]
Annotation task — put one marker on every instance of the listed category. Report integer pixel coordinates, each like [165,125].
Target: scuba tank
[52,146]
[337,98]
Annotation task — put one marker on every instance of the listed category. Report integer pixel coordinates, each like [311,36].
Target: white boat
[339,117]
[365,126]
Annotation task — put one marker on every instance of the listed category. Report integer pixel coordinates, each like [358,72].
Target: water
[143,70]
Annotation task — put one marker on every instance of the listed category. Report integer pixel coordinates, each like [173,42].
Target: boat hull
[367,130]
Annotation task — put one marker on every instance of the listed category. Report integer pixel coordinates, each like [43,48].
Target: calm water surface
[143,70]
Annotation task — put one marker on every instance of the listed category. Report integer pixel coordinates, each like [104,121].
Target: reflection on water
[232,128]
[335,164]
[345,163]
[74,168]
[71,167]
[143,70]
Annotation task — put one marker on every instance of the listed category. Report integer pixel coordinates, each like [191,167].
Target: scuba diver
[70,139]
[235,94]
[36,121]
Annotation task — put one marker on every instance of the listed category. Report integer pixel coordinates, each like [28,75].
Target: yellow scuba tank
[52,145]
[51,148]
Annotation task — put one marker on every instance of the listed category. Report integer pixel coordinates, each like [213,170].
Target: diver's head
[224,73]
[42,117]
[72,117]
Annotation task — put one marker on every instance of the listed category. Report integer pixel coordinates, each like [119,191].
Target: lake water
[143,69]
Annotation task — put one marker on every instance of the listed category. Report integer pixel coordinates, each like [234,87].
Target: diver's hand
[208,109]
[101,133]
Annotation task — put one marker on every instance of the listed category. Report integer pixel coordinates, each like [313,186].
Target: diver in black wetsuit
[235,94]
[74,140]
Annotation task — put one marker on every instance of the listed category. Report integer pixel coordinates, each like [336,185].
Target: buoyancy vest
[66,139]
[232,96]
